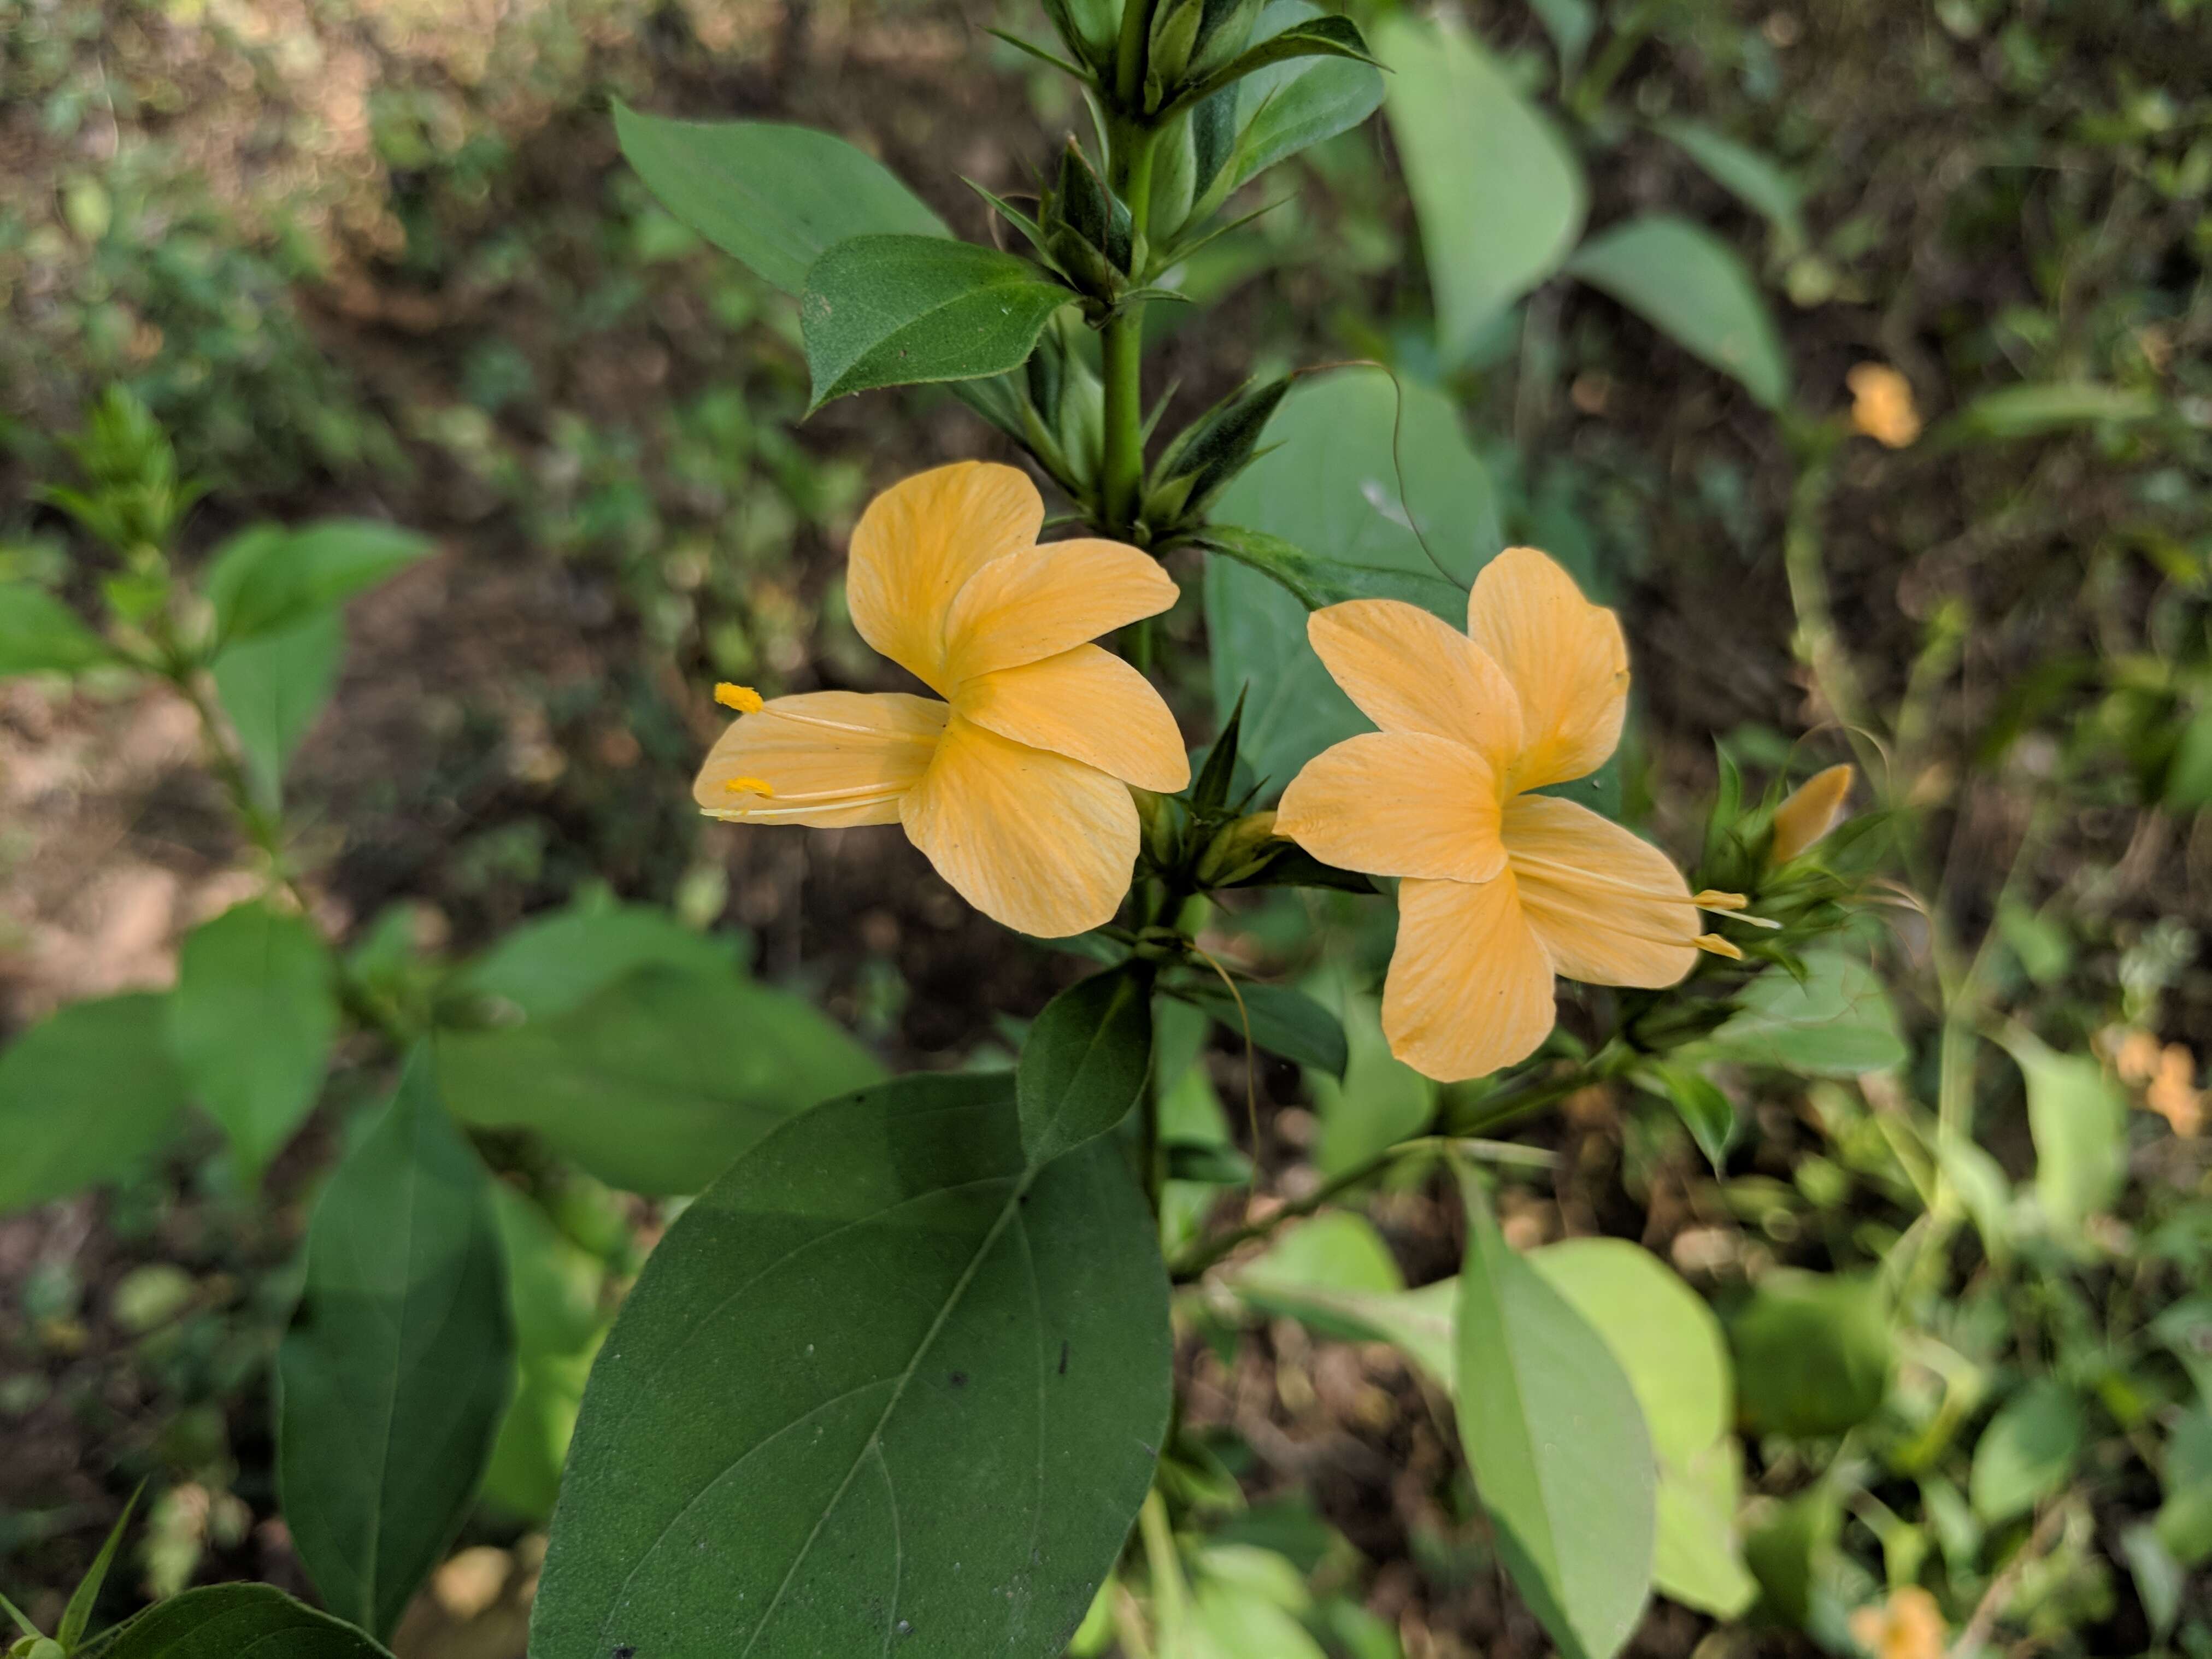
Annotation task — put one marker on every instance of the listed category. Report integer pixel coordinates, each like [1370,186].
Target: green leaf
[1570,23]
[1287,107]
[657,1082]
[1379,1101]
[1499,195]
[2035,411]
[274,689]
[1706,1113]
[267,579]
[907,310]
[1813,1353]
[391,1381]
[1084,1064]
[2027,1451]
[1698,1559]
[2078,1118]
[2183,1522]
[230,1621]
[1562,1460]
[554,1290]
[1785,1551]
[86,1095]
[1332,481]
[1323,35]
[1691,286]
[251,1022]
[552,965]
[1752,178]
[1669,1344]
[886,1386]
[78,1613]
[39,634]
[1336,1276]
[1284,1022]
[776,197]
[1836,1022]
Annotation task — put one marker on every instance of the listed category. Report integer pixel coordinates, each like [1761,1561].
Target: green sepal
[1206,455]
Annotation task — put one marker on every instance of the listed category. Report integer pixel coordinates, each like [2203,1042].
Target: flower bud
[1238,849]
[1810,812]
[1086,231]
[1209,453]
[1156,826]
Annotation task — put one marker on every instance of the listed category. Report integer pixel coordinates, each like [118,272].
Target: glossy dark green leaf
[269,579]
[773,196]
[655,1082]
[1083,1063]
[1562,1460]
[886,1387]
[1282,1021]
[1499,194]
[251,1023]
[1813,1353]
[2027,1451]
[1692,286]
[1330,482]
[85,1096]
[40,635]
[274,689]
[237,1621]
[393,1379]
[905,310]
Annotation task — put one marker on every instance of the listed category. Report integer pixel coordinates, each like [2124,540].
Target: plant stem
[1122,468]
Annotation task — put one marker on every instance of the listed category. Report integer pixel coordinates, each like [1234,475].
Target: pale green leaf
[86,1095]
[2027,1451]
[1499,195]
[273,688]
[2078,1118]
[775,197]
[1691,286]
[40,635]
[1836,1021]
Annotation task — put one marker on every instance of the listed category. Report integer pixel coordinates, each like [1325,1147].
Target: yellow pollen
[743,698]
[1717,946]
[751,786]
[1711,899]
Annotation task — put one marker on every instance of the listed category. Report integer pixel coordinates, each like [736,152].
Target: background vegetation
[381,258]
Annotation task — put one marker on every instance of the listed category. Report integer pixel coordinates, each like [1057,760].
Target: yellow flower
[1501,889]
[1016,784]
[2174,1094]
[1908,1626]
[1881,404]
[1810,812]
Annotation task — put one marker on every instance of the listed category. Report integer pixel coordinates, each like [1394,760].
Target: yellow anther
[1713,900]
[1717,946]
[751,786]
[743,698]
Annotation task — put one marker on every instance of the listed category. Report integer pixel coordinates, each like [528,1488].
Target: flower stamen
[743,698]
[1718,947]
[751,786]
[1710,899]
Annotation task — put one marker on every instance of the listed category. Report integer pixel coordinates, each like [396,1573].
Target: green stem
[1195,1260]
[1129,53]
[1122,467]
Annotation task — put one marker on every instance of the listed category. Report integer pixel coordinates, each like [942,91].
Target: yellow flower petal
[917,545]
[1409,671]
[1032,839]
[832,758]
[1809,813]
[1611,910]
[1470,988]
[1564,657]
[1397,804]
[1881,404]
[1034,604]
[1089,706]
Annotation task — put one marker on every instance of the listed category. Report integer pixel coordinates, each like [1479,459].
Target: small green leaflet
[1084,1061]
[907,310]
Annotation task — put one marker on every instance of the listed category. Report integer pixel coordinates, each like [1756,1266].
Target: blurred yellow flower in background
[1812,809]
[1881,404]
[1016,784]
[1909,1625]
[1501,889]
